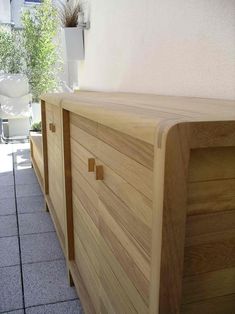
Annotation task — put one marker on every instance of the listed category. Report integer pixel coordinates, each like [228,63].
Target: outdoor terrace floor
[33,277]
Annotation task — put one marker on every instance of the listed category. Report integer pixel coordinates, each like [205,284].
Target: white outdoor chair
[14,105]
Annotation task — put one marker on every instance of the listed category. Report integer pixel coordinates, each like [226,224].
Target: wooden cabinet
[36,152]
[148,190]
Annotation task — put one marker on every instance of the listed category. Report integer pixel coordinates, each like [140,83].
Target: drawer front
[120,208]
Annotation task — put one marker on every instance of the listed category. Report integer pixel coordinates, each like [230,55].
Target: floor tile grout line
[11,311]
[52,303]
[18,233]
[44,304]
[9,236]
[26,234]
[8,266]
[36,212]
[38,262]
[8,215]
[34,233]
[46,261]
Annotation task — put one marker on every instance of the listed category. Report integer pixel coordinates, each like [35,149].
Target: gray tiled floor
[33,277]
[40,247]
[9,251]
[35,223]
[8,226]
[68,307]
[30,204]
[11,288]
[7,206]
[46,282]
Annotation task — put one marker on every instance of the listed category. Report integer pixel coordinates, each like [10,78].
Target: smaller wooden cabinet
[36,152]
[141,189]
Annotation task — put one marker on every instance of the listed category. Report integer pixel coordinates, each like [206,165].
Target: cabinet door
[85,208]
[125,218]
[55,163]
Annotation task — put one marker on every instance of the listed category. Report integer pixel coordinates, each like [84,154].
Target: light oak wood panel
[141,261]
[87,233]
[209,285]
[139,204]
[44,148]
[211,196]
[119,289]
[67,173]
[214,253]
[87,304]
[136,201]
[174,210]
[127,220]
[80,156]
[55,165]
[56,223]
[119,300]
[208,237]
[87,273]
[210,223]
[212,164]
[89,199]
[87,196]
[37,155]
[105,304]
[220,305]
[213,134]
[131,171]
[122,259]
[138,150]
[36,150]
[137,114]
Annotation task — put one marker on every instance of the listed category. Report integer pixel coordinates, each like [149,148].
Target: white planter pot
[74,43]
[36,112]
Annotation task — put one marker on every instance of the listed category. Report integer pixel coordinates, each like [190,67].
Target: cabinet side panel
[209,263]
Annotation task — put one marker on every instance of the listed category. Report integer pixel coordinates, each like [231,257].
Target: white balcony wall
[5,11]
[173,47]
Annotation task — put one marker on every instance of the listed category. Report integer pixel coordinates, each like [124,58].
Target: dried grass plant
[69,13]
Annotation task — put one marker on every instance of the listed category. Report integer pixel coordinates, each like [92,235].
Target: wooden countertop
[139,115]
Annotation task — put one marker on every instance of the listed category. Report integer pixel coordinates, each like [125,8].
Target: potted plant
[40,27]
[42,55]
[36,127]
[71,15]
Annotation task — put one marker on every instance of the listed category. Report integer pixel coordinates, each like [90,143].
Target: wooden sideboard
[142,192]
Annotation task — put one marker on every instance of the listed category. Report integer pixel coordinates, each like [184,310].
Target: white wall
[5,12]
[174,47]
